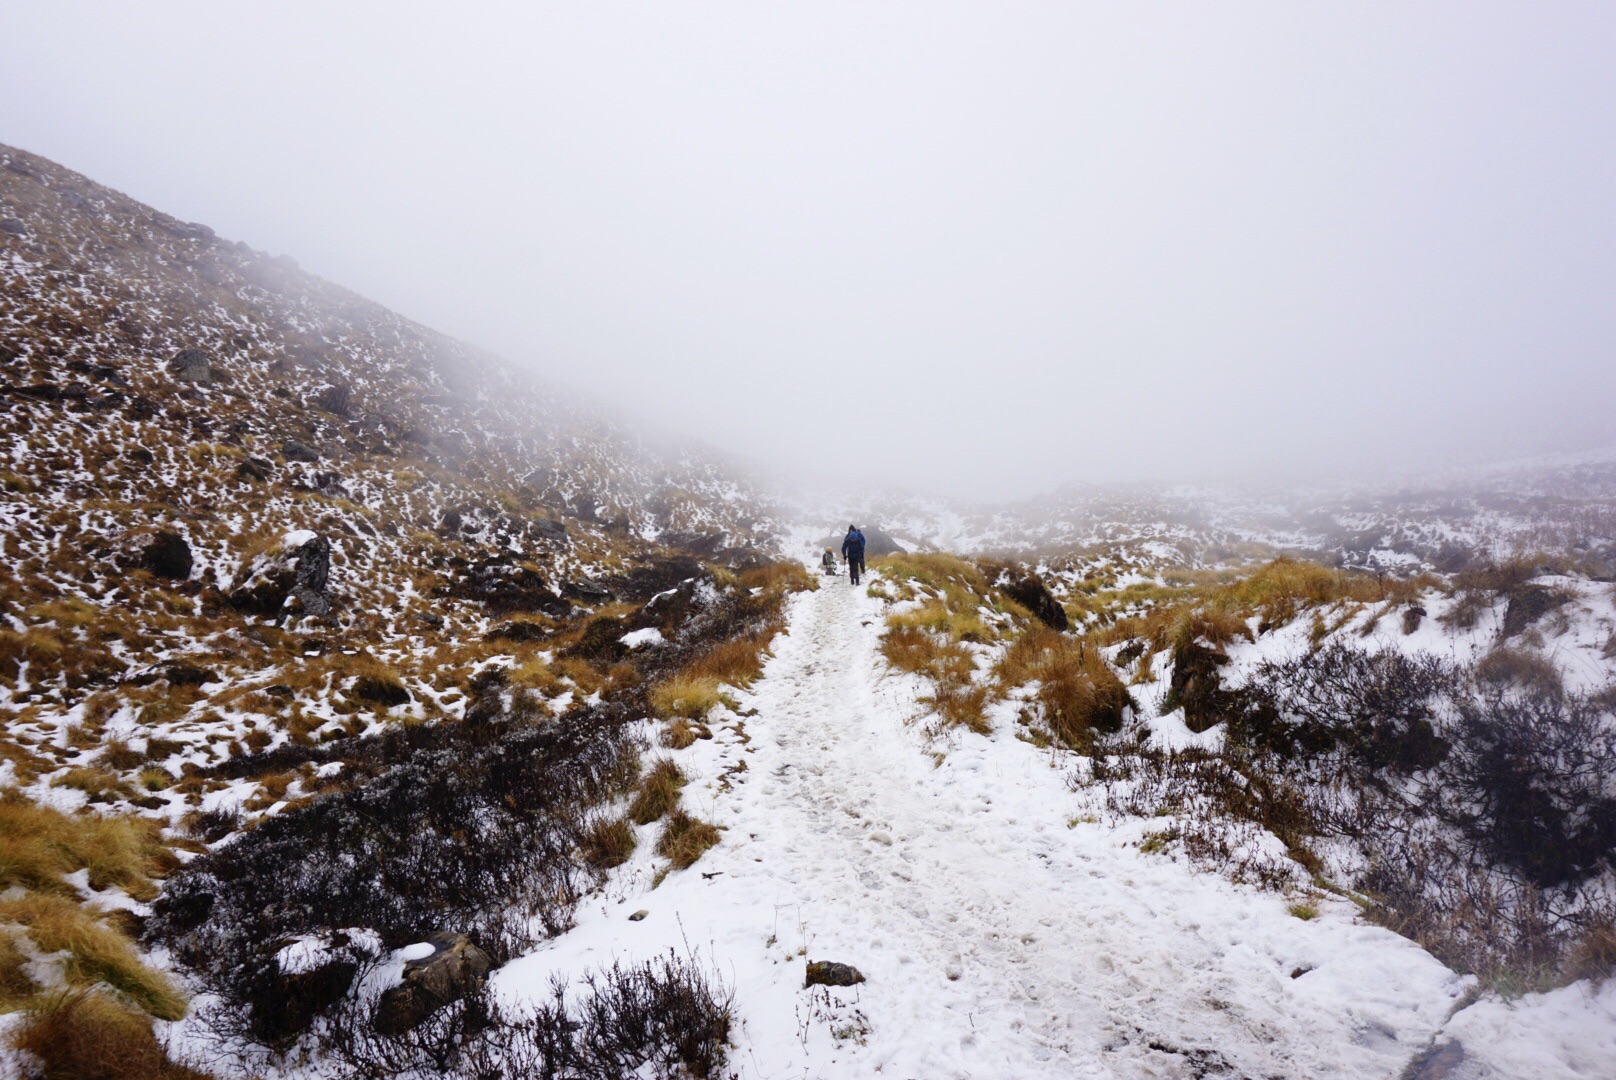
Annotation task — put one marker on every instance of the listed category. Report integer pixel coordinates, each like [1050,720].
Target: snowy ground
[1000,938]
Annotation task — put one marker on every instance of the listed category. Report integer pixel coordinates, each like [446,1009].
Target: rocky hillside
[195,432]
[263,537]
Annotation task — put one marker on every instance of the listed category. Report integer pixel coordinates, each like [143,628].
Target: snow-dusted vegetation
[371,711]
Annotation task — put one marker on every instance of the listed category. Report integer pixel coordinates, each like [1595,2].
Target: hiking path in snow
[999,936]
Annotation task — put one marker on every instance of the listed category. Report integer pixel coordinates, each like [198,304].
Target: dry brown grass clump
[1594,956]
[659,792]
[955,698]
[780,577]
[1522,668]
[909,648]
[1078,693]
[938,617]
[680,733]
[82,1035]
[1172,626]
[38,846]
[736,662]
[957,607]
[16,985]
[960,705]
[685,839]
[95,952]
[691,697]
[609,842]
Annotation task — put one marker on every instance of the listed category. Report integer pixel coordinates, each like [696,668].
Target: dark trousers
[855,566]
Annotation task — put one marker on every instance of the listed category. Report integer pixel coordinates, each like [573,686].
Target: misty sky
[982,248]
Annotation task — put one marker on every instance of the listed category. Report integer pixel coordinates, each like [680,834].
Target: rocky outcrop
[1528,604]
[1196,686]
[452,970]
[659,576]
[292,450]
[336,399]
[159,551]
[294,980]
[192,366]
[289,579]
[506,585]
[1029,590]
[828,973]
[878,543]
[255,468]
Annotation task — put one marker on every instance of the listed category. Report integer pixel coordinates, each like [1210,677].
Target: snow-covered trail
[998,938]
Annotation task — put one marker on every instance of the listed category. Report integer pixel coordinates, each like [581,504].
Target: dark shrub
[384,690]
[664,1018]
[1375,708]
[1533,780]
[478,836]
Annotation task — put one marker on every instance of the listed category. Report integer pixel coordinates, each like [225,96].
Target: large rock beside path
[830,973]
[452,970]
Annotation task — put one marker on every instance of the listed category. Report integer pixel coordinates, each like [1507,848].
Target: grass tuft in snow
[685,839]
[87,1035]
[659,792]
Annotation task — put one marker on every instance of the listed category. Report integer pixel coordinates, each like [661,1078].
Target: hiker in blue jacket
[853,552]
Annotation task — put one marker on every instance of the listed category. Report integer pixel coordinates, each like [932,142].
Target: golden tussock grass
[16,986]
[1505,666]
[96,953]
[82,1035]
[691,697]
[39,845]
[609,842]
[940,618]
[1594,956]
[584,675]
[955,699]
[1215,607]
[685,839]
[1078,693]
[960,705]
[737,661]
[935,569]
[92,780]
[659,792]
[32,646]
[680,733]
[780,577]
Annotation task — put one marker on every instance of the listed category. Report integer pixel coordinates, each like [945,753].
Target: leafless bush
[1532,780]
[1476,842]
[480,836]
[1374,709]
[1215,800]
[1464,911]
[664,1018]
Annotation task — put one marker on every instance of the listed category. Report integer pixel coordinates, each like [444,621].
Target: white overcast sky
[983,248]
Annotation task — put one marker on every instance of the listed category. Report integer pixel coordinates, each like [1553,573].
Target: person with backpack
[828,562]
[853,552]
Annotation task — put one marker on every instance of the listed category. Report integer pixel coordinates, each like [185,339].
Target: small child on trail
[828,562]
[853,552]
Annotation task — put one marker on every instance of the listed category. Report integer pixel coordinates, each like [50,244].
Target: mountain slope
[274,553]
[175,405]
